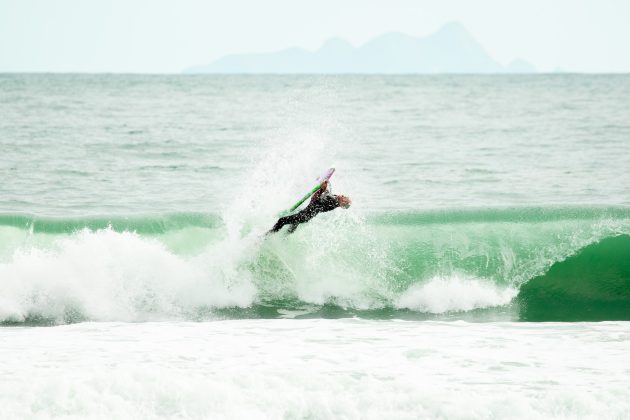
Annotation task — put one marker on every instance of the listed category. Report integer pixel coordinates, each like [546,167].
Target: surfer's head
[344,201]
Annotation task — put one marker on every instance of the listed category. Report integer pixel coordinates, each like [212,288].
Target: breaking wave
[529,264]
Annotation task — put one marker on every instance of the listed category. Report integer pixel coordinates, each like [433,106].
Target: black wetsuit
[325,202]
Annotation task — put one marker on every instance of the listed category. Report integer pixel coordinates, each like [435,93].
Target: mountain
[452,49]
[520,66]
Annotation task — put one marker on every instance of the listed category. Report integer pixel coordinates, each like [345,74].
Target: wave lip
[454,294]
[144,224]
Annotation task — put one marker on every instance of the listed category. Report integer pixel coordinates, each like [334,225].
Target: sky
[167,36]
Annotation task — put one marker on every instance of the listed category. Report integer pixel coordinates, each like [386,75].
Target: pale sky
[166,36]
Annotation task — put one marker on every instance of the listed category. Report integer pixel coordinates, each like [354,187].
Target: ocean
[483,270]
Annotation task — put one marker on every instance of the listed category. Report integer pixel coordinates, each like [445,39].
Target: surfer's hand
[324,185]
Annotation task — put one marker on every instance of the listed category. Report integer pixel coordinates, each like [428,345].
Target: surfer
[322,201]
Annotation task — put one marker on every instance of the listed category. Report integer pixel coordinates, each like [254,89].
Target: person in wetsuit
[322,201]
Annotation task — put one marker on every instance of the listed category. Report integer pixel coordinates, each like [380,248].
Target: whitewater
[482,272]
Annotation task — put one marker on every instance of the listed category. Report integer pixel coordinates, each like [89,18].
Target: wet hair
[344,201]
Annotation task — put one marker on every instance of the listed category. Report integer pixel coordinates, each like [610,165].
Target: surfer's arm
[319,192]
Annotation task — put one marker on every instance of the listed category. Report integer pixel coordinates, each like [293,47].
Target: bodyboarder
[322,201]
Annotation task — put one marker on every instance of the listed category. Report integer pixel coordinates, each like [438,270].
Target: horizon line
[183,73]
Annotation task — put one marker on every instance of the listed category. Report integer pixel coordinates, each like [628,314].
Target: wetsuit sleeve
[319,193]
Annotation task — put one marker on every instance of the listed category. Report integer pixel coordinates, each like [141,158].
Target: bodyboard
[320,180]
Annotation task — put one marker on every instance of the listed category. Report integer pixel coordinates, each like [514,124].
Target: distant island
[452,49]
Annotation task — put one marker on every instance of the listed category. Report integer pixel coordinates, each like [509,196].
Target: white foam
[122,276]
[455,293]
[319,369]
[107,275]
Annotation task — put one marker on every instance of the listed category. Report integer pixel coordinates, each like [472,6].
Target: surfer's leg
[283,221]
[293,227]
[294,220]
[302,217]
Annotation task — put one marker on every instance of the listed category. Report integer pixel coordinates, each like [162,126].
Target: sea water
[483,270]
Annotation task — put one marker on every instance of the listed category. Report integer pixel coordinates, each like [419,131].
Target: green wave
[162,223]
[567,264]
[143,224]
[497,215]
[592,285]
